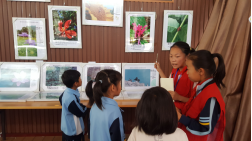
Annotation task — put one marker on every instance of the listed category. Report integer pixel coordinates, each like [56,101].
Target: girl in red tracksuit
[182,84]
[203,116]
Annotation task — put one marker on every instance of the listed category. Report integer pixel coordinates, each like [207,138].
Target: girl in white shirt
[156,118]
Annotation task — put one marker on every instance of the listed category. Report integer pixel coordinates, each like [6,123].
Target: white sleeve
[169,76]
[132,136]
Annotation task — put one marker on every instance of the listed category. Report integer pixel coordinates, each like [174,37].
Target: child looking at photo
[72,124]
[106,121]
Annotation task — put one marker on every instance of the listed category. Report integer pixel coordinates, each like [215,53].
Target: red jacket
[194,106]
[184,85]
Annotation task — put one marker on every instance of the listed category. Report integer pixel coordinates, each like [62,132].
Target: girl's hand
[157,67]
[178,113]
[174,95]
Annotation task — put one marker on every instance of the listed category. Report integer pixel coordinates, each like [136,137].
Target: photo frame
[15,96]
[102,13]
[177,27]
[51,75]
[139,76]
[29,38]
[139,31]
[19,76]
[64,26]
[90,71]
[32,0]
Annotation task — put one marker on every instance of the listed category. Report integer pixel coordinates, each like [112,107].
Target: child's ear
[75,84]
[202,71]
[113,87]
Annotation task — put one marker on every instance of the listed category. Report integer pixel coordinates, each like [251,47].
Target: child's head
[201,66]
[107,83]
[178,53]
[156,113]
[71,78]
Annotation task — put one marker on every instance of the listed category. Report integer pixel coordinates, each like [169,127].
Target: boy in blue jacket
[72,124]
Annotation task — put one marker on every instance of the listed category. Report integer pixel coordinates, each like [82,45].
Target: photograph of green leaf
[139,30]
[22,51]
[177,28]
[32,51]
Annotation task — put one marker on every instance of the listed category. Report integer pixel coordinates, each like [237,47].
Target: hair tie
[100,81]
[93,84]
[106,75]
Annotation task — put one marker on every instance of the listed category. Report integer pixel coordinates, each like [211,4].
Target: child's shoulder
[68,96]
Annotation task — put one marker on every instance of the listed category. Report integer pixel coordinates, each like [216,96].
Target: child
[182,84]
[106,122]
[156,118]
[203,116]
[72,124]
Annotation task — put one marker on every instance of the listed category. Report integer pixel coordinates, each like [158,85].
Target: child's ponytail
[220,72]
[204,59]
[98,94]
[89,92]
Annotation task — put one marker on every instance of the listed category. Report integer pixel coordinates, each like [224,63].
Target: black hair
[69,77]
[204,59]
[103,81]
[156,113]
[89,92]
[185,48]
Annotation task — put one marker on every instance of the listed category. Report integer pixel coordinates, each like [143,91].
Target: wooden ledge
[165,1]
[55,104]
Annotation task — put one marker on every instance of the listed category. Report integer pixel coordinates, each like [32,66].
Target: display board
[177,27]
[140,31]
[15,96]
[51,73]
[29,38]
[64,26]
[90,71]
[137,77]
[19,76]
[102,12]
[46,96]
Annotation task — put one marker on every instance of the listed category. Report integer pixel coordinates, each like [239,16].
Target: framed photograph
[46,96]
[15,96]
[19,76]
[64,26]
[139,76]
[90,71]
[29,38]
[102,12]
[51,73]
[32,0]
[140,31]
[177,27]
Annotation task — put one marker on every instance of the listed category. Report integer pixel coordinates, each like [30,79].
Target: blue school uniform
[72,112]
[106,124]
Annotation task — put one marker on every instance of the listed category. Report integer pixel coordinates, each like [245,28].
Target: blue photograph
[137,77]
[11,78]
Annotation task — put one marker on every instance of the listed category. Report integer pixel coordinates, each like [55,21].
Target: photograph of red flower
[65,25]
[139,30]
